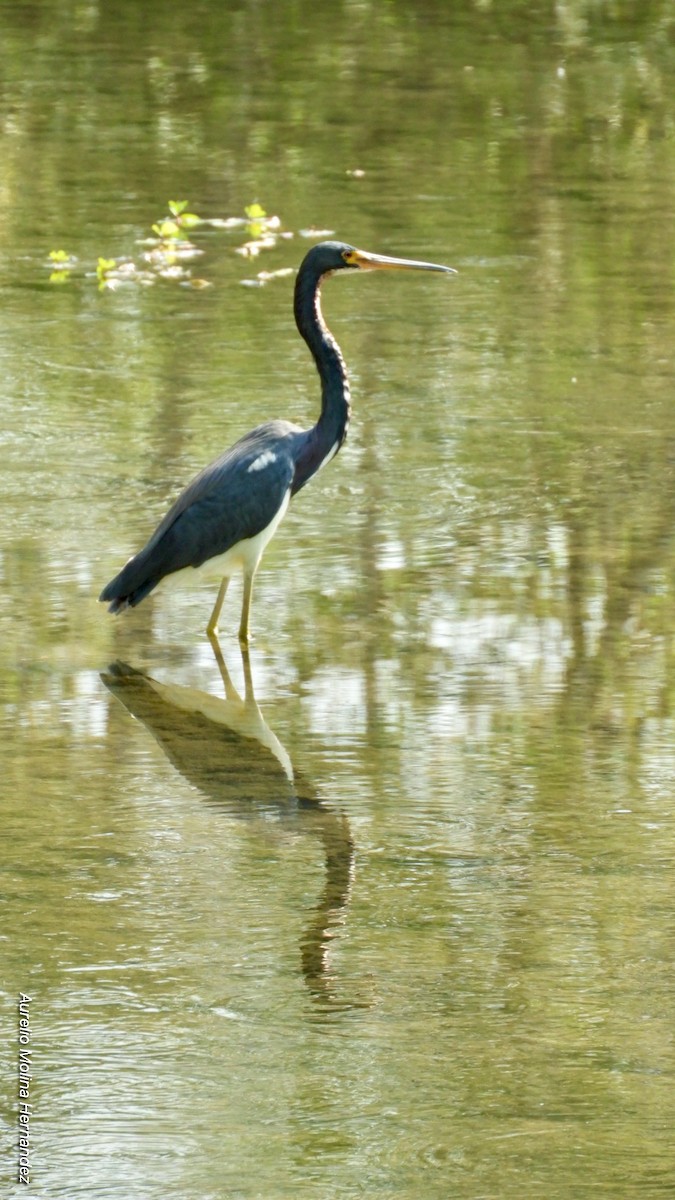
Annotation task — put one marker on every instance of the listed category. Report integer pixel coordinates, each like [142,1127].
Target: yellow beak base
[380,262]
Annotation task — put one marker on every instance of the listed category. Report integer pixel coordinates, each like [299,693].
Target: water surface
[388,910]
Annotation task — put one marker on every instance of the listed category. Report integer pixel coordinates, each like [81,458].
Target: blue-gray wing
[234,498]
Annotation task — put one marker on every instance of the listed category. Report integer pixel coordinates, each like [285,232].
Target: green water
[391,915]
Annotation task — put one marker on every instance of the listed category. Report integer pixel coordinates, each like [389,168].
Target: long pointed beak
[380,262]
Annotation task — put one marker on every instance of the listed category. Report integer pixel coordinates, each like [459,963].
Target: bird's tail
[127,590]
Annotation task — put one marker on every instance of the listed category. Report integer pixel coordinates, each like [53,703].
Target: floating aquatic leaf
[169,248]
[124,270]
[316,233]
[254,212]
[167,229]
[104,266]
[264,277]
[258,221]
[64,262]
[167,253]
[281,273]
[186,250]
[172,272]
[224,222]
[253,248]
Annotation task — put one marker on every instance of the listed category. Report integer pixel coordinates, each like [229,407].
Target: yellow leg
[244,636]
[249,694]
[231,692]
[212,626]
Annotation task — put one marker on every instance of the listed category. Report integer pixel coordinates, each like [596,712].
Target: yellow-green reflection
[465,629]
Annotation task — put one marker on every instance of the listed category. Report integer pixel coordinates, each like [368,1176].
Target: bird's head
[327,257]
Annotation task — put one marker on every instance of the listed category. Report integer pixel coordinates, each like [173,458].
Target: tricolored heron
[227,515]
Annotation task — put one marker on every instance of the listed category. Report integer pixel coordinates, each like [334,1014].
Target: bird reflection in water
[226,749]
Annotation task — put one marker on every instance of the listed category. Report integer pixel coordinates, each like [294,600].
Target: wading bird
[227,515]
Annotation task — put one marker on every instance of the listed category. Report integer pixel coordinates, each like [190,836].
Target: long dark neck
[324,439]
